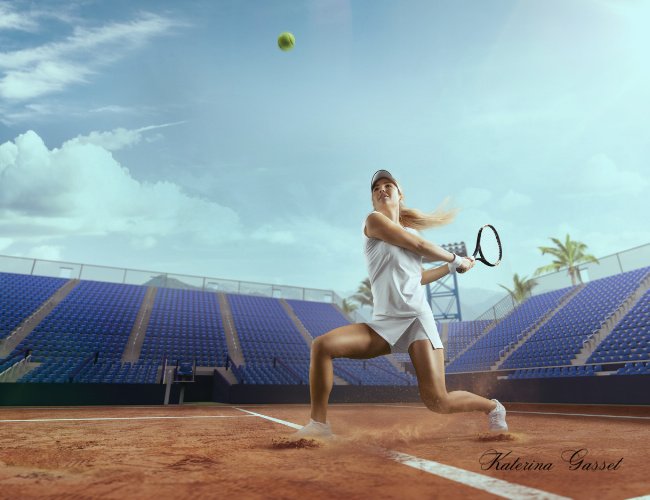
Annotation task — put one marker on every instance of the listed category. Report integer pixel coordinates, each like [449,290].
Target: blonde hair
[416,219]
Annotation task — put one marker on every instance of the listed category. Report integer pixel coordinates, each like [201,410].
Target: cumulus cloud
[80,189]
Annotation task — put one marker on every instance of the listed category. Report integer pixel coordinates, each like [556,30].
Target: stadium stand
[560,339]
[84,337]
[630,339]
[487,350]
[21,296]
[270,341]
[185,326]
[94,317]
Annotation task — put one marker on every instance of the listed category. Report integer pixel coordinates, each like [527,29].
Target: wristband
[458,260]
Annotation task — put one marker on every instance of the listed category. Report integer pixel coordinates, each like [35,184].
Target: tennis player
[402,319]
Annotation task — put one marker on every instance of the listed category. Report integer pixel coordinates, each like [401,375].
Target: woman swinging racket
[402,319]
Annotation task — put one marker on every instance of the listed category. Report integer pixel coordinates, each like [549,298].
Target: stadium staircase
[31,322]
[136,339]
[487,330]
[232,339]
[16,370]
[225,373]
[509,350]
[296,321]
[592,343]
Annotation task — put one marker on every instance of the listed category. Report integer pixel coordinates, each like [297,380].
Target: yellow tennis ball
[286,41]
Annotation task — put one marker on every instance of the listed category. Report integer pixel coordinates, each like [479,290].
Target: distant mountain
[162,281]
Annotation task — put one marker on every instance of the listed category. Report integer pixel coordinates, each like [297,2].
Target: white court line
[539,413]
[93,419]
[577,414]
[642,497]
[478,481]
[100,407]
[277,420]
[472,479]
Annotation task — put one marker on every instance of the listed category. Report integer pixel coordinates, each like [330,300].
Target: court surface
[382,451]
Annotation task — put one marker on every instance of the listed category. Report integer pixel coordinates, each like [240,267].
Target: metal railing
[74,270]
[610,265]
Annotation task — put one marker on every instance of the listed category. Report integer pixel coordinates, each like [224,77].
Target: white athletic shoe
[314,430]
[497,418]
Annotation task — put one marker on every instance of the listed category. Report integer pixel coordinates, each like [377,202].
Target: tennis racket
[488,246]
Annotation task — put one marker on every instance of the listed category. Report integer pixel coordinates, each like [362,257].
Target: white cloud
[12,20]
[43,78]
[52,67]
[80,189]
[118,138]
[113,108]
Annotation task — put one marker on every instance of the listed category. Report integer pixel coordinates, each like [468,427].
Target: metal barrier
[617,263]
[73,270]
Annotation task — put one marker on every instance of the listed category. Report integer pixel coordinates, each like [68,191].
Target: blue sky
[177,137]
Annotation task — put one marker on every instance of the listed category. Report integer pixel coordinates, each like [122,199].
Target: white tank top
[395,274]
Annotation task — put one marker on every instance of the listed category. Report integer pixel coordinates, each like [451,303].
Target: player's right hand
[466,265]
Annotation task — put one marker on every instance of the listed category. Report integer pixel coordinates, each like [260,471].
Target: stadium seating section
[84,338]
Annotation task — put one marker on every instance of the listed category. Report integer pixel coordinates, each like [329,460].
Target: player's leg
[357,341]
[429,366]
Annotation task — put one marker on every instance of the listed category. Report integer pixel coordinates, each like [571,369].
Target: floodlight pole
[443,294]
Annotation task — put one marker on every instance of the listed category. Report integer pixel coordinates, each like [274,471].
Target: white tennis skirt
[400,333]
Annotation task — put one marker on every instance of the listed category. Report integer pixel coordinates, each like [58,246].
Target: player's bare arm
[381,227]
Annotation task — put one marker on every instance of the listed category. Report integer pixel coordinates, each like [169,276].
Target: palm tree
[522,288]
[364,293]
[569,254]
[348,307]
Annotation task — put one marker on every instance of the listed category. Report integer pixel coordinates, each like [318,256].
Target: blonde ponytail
[416,219]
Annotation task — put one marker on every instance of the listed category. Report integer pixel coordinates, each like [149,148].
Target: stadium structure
[80,334]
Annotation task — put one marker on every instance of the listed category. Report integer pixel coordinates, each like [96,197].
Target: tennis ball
[286,41]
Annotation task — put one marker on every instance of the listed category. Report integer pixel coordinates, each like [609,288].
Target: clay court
[381,451]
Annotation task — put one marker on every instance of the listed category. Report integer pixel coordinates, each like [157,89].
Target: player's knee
[319,347]
[436,403]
